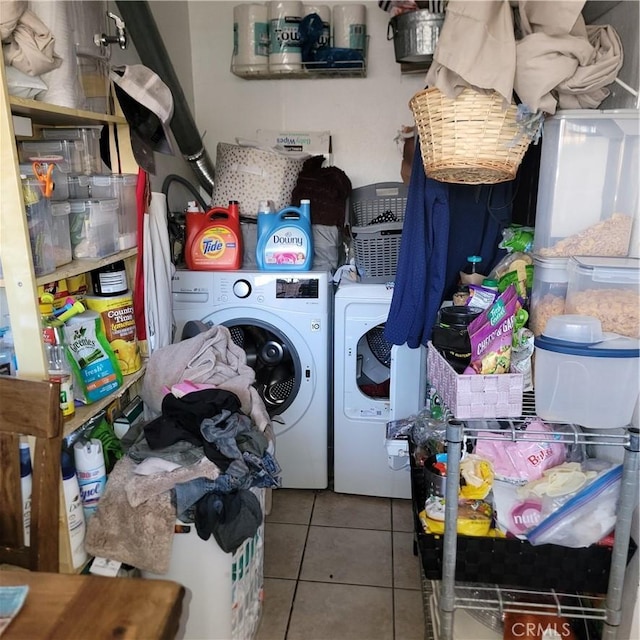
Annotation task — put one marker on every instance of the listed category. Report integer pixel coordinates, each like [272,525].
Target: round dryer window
[374,363]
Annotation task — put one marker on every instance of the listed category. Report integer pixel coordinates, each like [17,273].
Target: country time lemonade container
[214,240]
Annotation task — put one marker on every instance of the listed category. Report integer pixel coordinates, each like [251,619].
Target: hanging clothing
[477,216]
[422,262]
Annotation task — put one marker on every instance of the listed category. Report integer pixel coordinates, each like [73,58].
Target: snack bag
[490,335]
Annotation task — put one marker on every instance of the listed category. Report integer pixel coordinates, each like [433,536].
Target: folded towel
[140,536]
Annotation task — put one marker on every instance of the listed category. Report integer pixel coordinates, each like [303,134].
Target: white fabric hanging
[158,272]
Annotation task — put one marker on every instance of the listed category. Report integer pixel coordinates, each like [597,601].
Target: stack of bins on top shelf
[376,217]
[588,205]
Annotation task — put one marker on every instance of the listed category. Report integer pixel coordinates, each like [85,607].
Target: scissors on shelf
[43,170]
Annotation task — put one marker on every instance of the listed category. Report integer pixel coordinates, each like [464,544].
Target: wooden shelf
[86,412]
[76,267]
[51,114]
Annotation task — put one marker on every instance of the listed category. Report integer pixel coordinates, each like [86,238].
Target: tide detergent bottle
[214,239]
[285,240]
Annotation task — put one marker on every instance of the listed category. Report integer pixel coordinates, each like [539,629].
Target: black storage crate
[510,561]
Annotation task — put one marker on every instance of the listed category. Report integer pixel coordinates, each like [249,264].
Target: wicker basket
[469,139]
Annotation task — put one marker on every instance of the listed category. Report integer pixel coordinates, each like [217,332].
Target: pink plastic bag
[525,459]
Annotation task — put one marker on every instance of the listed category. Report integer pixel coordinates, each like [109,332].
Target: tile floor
[340,567]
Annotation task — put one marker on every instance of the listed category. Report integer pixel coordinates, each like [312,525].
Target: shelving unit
[310,70]
[497,599]
[20,282]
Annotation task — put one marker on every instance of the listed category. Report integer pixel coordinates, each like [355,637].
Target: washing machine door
[285,369]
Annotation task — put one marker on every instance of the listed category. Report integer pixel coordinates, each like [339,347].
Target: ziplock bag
[585,519]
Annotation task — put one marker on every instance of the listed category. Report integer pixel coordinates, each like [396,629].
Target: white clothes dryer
[374,382]
[283,322]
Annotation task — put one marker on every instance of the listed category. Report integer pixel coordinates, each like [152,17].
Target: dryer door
[285,369]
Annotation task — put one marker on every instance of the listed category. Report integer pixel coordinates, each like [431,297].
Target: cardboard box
[317,143]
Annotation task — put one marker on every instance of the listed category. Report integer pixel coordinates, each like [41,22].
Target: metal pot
[415,35]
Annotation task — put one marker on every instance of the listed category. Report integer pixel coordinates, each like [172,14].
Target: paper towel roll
[349,26]
[284,35]
[250,38]
[324,11]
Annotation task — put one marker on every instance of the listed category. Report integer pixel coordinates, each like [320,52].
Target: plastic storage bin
[61,186]
[82,186]
[608,289]
[125,191]
[40,223]
[584,376]
[588,187]
[376,218]
[67,154]
[94,228]
[61,235]
[475,396]
[548,292]
[89,137]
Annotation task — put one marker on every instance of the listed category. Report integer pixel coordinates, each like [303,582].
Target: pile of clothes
[200,458]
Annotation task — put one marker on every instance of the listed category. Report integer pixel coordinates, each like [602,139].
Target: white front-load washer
[374,382]
[283,322]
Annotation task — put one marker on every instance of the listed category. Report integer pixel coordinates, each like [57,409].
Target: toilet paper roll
[324,11]
[250,38]
[349,26]
[284,35]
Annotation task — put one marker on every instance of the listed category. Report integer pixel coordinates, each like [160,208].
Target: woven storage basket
[469,139]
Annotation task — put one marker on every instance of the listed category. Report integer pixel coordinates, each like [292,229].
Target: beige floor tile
[358,512]
[283,549]
[408,615]
[351,556]
[341,612]
[291,506]
[401,515]
[406,566]
[276,607]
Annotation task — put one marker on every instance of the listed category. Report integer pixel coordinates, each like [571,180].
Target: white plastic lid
[574,328]
[604,269]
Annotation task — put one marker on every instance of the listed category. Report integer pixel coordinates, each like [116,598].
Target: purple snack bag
[491,333]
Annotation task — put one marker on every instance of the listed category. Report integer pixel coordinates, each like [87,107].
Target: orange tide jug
[214,239]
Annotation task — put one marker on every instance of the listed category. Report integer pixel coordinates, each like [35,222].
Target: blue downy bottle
[285,240]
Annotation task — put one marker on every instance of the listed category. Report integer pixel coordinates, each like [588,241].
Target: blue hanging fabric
[422,261]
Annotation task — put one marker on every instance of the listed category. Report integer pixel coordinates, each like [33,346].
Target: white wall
[363,114]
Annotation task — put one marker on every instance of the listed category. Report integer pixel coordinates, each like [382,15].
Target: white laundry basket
[223,598]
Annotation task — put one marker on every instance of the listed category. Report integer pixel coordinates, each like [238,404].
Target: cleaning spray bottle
[285,240]
[214,239]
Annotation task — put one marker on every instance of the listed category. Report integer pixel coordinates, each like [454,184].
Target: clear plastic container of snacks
[82,186]
[40,223]
[588,187]
[67,154]
[50,171]
[548,292]
[608,289]
[89,136]
[94,228]
[125,188]
[61,235]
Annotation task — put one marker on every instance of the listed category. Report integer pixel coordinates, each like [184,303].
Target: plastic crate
[375,237]
[510,561]
[474,396]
